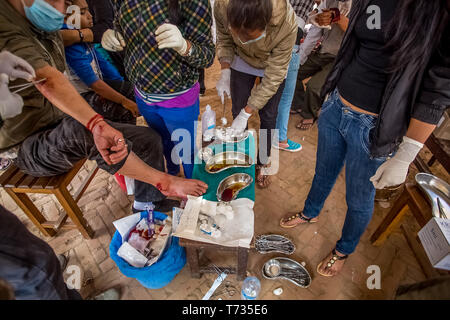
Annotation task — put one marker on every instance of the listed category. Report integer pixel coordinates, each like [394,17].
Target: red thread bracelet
[90,122]
[96,122]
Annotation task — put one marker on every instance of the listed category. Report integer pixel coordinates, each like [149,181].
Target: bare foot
[295,219]
[331,265]
[181,188]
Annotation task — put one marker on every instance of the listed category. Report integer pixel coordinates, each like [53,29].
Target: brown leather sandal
[296,216]
[335,257]
[263,181]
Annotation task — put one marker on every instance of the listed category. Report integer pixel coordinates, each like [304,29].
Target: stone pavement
[104,202]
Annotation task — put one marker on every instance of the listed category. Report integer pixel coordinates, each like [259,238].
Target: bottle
[208,124]
[250,288]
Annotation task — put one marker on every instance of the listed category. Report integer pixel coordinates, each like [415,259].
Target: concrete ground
[104,202]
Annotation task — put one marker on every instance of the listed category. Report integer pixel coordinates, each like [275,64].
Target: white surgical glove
[113,41]
[394,171]
[223,85]
[15,67]
[169,36]
[240,123]
[10,104]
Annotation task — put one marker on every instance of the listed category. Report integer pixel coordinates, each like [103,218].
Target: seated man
[96,79]
[57,128]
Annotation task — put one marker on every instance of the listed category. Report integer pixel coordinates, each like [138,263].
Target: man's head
[248,19]
[86,20]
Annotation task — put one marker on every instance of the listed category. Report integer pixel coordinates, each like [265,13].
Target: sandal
[331,262]
[296,216]
[304,126]
[262,180]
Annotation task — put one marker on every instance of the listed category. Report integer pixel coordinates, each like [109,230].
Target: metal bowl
[242,179]
[438,192]
[226,135]
[272,268]
[291,270]
[231,159]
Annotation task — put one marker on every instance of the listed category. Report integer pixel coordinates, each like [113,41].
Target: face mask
[43,16]
[263,35]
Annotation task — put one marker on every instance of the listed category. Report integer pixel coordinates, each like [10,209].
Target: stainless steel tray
[231,159]
[438,192]
[237,178]
[289,270]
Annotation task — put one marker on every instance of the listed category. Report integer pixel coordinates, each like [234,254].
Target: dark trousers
[56,149]
[201,80]
[318,66]
[241,87]
[29,264]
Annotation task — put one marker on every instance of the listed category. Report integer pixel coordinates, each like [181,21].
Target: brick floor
[104,202]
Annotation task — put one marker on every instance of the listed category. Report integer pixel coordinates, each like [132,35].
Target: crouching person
[57,128]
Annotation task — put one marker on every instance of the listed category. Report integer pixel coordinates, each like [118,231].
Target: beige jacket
[272,54]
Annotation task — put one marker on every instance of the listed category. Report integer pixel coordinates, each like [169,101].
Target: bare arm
[71,37]
[60,92]
[419,130]
[103,89]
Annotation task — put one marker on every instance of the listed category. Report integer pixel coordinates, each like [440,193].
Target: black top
[364,80]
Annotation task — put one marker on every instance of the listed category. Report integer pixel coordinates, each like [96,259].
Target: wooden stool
[17,184]
[192,252]
[412,199]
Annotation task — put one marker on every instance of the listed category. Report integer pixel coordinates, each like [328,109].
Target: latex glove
[10,104]
[169,36]
[223,85]
[113,41]
[240,123]
[15,67]
[394,171]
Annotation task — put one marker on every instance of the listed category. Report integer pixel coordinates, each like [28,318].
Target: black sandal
[331,262]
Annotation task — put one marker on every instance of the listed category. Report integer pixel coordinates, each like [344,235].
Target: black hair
[417,27]
[174,12]
[249,14]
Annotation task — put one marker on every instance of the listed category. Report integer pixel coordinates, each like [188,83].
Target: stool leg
[74,212]
[192,258]
[242,263]
[391,220]
[25,203]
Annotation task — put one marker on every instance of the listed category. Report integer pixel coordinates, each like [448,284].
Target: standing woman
[166,43]
[389,88]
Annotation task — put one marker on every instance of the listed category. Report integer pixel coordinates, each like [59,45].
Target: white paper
[131,255]
[237,232]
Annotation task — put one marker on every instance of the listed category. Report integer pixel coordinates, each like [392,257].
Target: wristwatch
[81,35]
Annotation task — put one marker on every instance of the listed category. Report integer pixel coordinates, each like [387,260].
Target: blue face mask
[43,16]
[262,36]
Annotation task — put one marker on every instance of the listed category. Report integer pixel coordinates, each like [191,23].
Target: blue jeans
[165,121]
[284,106]
[344,138]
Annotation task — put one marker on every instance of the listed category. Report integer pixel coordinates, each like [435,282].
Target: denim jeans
[166,121]
[288,94]
[344,138]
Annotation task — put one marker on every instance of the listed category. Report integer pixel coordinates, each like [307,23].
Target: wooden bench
[17,184]
[192,253]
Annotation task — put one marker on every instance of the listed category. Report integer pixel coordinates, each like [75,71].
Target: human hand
[325,17]
[132,106]
[110,143]
[15,67]
[240,123]
[394,171]
[169,36]
[11,104]
[113,41]
[181,188]
[223,85]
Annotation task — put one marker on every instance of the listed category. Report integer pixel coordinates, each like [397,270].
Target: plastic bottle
[208,123]
[250,288]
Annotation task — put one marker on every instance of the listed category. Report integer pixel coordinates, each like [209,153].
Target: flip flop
[331,262]
[304,126]
[292,146]
[299,216]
